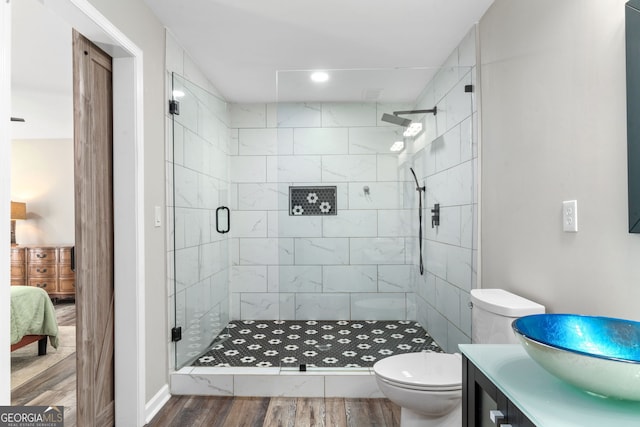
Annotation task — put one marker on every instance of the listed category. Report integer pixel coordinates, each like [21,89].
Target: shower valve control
[435,215]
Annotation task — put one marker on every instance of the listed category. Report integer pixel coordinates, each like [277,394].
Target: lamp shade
[18,210]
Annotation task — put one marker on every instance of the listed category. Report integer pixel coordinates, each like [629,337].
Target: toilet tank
[493,312]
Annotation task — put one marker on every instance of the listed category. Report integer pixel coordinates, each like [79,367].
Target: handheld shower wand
[420,190]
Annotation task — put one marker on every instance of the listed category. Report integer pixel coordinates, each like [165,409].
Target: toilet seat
[422,371]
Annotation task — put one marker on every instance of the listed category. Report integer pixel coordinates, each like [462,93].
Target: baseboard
[156,403]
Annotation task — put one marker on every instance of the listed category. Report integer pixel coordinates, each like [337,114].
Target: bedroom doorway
[85,169]
[128,203]
[42,176]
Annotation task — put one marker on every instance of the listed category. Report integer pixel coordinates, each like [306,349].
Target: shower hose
[420,230]
[419,190]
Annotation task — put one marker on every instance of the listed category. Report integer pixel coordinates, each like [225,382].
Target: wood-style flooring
[209,411]
[50,379]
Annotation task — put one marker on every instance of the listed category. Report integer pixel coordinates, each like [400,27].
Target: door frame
[128,161]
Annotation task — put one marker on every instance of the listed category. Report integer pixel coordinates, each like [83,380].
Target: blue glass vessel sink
[598,354]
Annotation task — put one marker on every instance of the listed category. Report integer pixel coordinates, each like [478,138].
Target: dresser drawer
[64,255]
[18,282]
[67,285]
[48,285]
[42,270]
[64,270]
[17,255]
[17,271]
[41,255]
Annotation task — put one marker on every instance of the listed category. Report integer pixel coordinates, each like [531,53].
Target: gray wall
[553,129]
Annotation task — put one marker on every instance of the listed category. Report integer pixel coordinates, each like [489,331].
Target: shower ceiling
[388,85]
[241,45]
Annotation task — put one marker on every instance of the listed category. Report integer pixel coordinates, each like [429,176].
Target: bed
[33,318]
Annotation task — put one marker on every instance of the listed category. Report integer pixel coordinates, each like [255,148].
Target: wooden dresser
[47,267]
[18,266]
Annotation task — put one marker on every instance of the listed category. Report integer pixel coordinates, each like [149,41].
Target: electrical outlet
[570,216]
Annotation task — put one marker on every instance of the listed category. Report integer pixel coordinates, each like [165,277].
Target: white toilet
[428,386]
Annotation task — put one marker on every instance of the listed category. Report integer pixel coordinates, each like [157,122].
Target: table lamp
[18,211]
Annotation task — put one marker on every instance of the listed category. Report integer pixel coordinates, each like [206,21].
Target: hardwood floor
[66,313]
[51,379]
[201,411]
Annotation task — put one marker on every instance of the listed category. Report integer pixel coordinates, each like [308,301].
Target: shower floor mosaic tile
[320,344]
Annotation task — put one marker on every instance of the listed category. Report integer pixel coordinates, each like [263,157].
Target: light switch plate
[570,216]
[158,216]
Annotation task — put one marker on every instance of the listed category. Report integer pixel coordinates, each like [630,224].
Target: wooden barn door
[93,148]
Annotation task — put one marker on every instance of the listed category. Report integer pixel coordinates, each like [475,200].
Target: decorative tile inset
[312,201]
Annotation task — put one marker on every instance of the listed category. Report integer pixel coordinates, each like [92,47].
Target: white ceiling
[260,50]
[41,49]
[41,73]
[241,45]
[397,85]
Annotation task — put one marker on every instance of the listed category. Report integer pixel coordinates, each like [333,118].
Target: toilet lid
[424,370]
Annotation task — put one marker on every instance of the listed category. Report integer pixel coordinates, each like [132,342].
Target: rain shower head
[401,121]
[392,118]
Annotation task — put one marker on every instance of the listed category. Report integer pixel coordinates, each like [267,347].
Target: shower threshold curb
[275,382]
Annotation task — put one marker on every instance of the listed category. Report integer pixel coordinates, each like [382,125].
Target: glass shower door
[197,167]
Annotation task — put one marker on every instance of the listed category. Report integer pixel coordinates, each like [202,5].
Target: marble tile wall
[353,265]
[198,141]
[445,159]
[208,381]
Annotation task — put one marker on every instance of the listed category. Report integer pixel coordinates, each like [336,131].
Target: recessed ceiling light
[319,76]
[397,146]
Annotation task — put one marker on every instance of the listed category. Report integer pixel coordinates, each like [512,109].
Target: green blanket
[32,313]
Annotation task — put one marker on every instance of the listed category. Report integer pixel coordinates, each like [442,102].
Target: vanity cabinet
[483,402]
[503,377]
[46,267]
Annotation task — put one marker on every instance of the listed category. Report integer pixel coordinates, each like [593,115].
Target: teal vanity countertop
[546,400]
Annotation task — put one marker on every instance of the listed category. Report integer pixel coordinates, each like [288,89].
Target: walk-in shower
[323,264]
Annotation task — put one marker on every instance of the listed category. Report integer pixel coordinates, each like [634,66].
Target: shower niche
[315,200]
